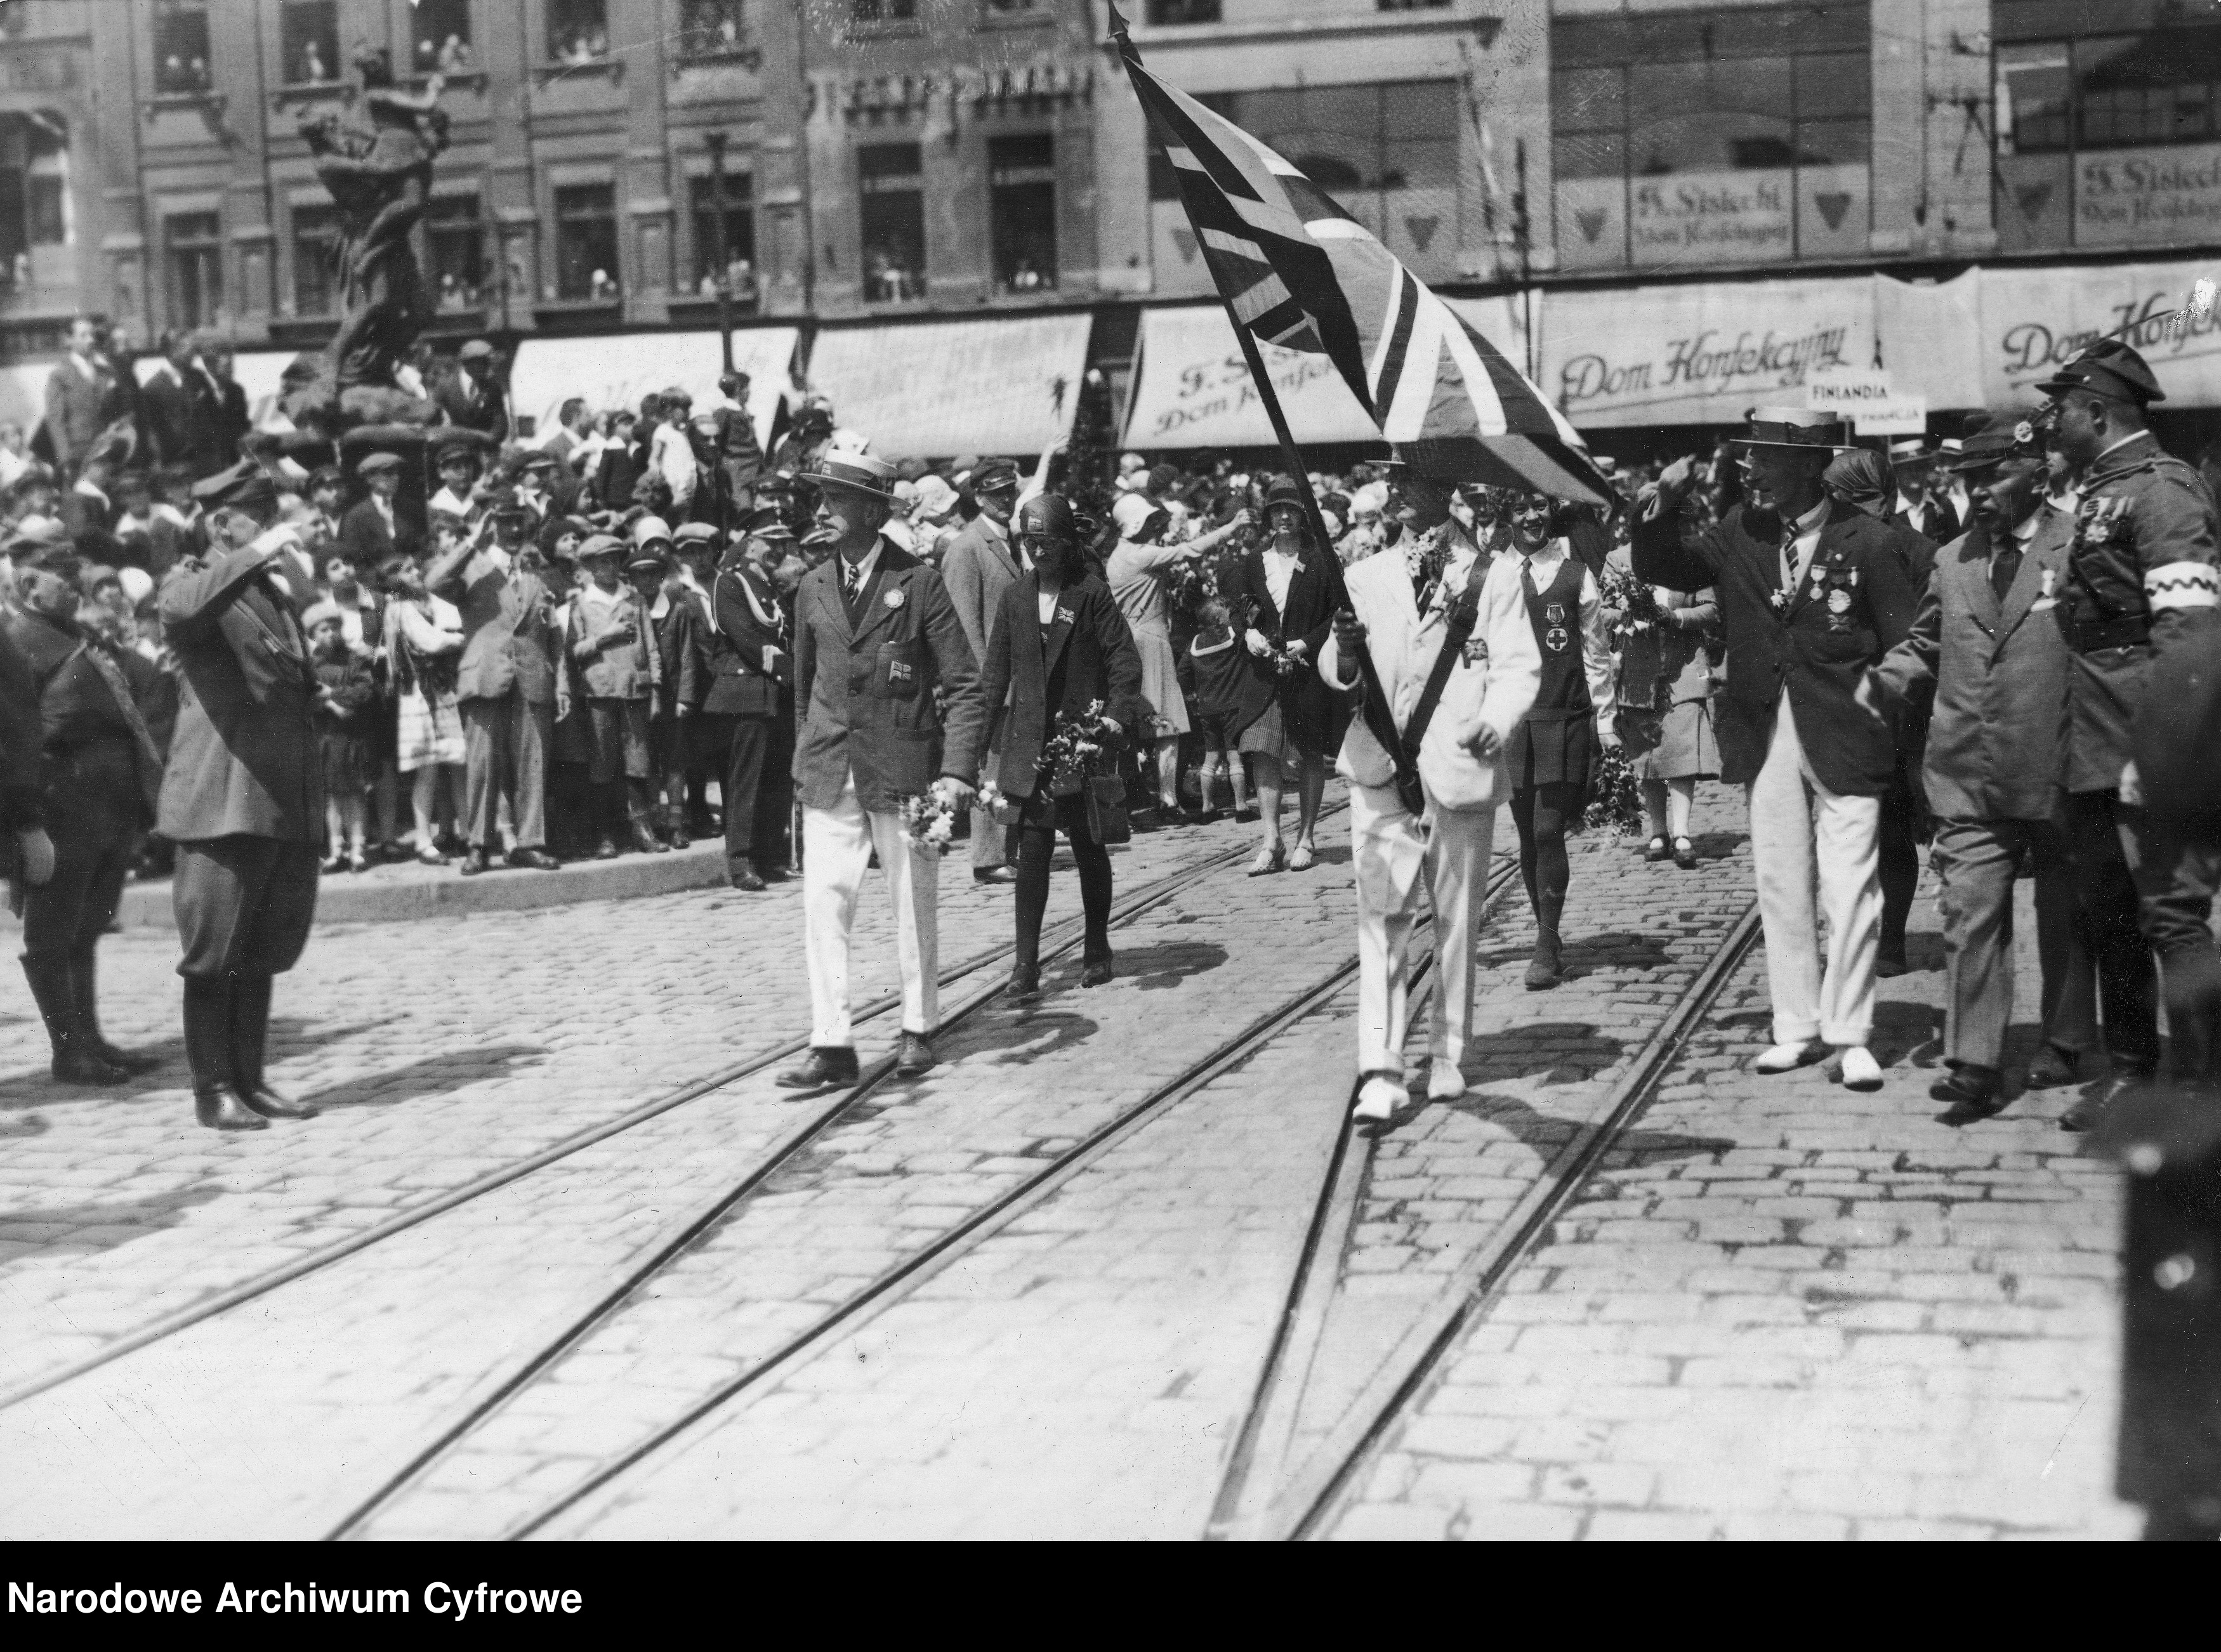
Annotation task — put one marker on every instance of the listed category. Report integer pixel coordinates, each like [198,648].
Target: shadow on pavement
[288,1035]
[420,1081]
[1559,1052]
[1166,964]
[1903,1031]
[91,1228]
[1034,1031]
[1584,955]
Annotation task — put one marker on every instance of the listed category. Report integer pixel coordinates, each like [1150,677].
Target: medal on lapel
[893,599]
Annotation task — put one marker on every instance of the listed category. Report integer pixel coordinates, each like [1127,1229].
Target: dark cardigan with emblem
[1086,654]
[1556,742]
[1854,604]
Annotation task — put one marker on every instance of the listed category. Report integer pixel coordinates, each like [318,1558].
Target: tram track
[1263,1494]
[1059,939]
[881,1293]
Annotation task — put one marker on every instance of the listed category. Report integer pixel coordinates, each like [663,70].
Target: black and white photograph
[1072,770]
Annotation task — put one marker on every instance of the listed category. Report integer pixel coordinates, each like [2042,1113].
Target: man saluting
[874,636]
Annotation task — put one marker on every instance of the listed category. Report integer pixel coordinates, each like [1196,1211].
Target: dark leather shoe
[221,1110]
[1096,972]
[83,1067]
[476,862]
[2090,1106]
[995,874]
[124,1059]
[272,1104]
[606,849]
[741,876]
[1685,854]
[914,1054]
[2052,1068]
[821,1069]
[646,841]
[1968,1086]
[1024,984]
[535,860]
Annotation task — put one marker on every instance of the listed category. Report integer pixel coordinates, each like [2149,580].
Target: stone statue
[380,181]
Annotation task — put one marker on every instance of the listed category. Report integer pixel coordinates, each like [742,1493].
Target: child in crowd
[614,657]
[1224,693]
[344,689]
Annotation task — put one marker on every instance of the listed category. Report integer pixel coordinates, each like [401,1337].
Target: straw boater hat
[857,472]
[1803,427]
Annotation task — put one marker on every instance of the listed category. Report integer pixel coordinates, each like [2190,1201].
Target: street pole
[721,252]
[1523,240]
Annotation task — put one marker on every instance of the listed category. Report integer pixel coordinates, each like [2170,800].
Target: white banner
[615,370]
[1700,354]
[934,390]
[2033,320]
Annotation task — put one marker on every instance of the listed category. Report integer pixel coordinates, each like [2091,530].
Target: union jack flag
[1297,270]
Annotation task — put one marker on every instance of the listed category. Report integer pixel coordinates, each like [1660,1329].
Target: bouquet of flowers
[1615,799]
[992,798]
[1080,747]
[1635,603]
[1190,584]
[928,822]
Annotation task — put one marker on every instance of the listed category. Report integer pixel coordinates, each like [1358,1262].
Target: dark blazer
[92,768]
[476,406]
[232,420]
[1086,655]
[364,539]
[1851,750]
[1312,711]
[750,619]
[1997,737]
[865,697]
[72,415]
[181,419]
[21,738]
[510,636]
[244,760]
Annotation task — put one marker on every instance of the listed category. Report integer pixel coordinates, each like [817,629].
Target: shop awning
[1006,384]
[616,370]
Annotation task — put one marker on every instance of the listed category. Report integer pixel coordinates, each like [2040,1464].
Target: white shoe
[1861,1071]
[1377,1100]
[1787,1057]
[1444,1081]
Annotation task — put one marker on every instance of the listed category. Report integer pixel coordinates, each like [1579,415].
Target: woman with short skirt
[1056,646]
[1666,681]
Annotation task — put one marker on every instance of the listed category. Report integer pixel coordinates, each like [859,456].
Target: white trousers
[1795,843]
[1395,853]
[836,852]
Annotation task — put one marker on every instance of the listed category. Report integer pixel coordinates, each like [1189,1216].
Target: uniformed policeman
[243,798]
[100,774]
[2141,575]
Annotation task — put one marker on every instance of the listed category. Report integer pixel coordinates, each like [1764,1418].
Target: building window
[586,242]
[578,31]
[442,36]
[1164,14]
[309,41]
[710,28]
[181,47]
[45,221]
[1712,137]
[458,246]
[195,244]
[1010,8]
[891,178]
[34,193]
[1022,210]
[316,259]
[740,237]
[884,11]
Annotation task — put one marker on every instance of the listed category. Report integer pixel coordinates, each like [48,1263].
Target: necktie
[2004,562]
[852,576]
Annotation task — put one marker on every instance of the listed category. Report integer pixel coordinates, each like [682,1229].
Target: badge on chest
[1555,637]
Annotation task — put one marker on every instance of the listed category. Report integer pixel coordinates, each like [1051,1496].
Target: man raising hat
[243,796]
[1811,592]
[878,652]
[2141,583]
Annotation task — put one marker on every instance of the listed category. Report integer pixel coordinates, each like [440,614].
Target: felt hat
[373,463]
[600,545]
[2006,435]
[935,499]
[1284,490]
[2107,367]
[1801,427]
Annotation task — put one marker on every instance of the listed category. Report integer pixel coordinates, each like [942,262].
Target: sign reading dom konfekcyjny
[457,1601]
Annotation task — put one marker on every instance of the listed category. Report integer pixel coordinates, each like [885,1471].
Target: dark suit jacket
[1087,655]
[477,407]
[510,636]
[232,421]
[183,420]
[364,539]
[1313,711]
[21,738]
[244,760]
[73,410]
[865,697]
[92,767]
[1850,749]
[1997,737]
[750,619]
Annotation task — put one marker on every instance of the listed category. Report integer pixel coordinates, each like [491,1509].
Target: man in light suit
[978,567]
[1991,636]
[1401,608]
[874,635]
[511,689]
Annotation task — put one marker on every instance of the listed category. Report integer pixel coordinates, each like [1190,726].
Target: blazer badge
[893,599]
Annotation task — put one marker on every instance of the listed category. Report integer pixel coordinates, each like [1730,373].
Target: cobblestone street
[1777,1309]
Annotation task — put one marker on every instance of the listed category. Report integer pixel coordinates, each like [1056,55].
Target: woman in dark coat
[1057,645]
[1290,590]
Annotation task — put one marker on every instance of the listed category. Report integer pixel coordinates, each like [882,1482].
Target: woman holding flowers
[1060,653]
[1667,641]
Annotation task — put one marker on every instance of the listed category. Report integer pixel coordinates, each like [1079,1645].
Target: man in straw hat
[1812,592]
[1404,611]
[2142,586]
[875,636]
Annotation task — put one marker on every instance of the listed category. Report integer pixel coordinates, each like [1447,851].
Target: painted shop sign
[1712,217]
[2033,320]
[2130,197]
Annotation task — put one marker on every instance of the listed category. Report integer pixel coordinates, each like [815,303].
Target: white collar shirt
[854,577]
[1803,539]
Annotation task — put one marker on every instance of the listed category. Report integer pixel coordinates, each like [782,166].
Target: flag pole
[1378,715]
